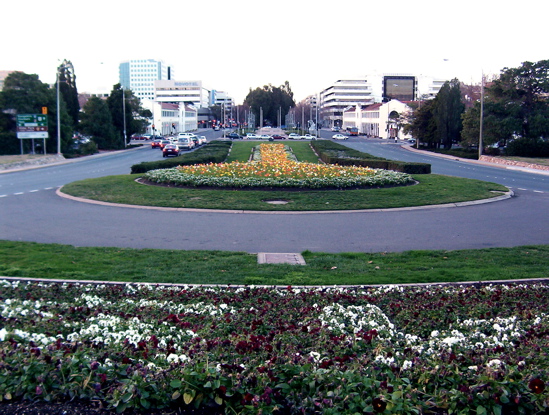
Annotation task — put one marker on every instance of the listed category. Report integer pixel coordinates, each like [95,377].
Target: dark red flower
[379,405]
[536,385]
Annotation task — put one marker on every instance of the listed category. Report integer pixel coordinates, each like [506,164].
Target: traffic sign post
[33,126]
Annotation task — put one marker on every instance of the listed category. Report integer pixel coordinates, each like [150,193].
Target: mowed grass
[431,190]
[52,261]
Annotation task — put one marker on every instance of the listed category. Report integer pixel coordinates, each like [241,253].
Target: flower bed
[276,170]
[431,349]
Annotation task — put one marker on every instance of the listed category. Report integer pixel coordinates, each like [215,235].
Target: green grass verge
[431,190]
[241,150]
[33,260]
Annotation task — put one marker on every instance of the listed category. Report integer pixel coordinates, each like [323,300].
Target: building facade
[140,76]
[344,95]
[382,119]
[182,91]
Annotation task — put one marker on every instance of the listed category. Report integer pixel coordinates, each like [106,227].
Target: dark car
[170,150]
[155,143]
[234,136]
[277,137]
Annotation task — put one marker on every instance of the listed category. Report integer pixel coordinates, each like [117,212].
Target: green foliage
[213,152]
[447,114]
[26,94]
[97,123]
[335,153]
[68,90]
[270,100]
[524,147]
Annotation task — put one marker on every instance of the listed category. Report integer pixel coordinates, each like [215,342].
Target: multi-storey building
[182,92]
[140,75]
[341,95]
[346,94]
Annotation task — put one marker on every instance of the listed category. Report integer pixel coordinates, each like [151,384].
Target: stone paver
[280,258]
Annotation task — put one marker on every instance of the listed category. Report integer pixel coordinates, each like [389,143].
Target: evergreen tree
[272,101]
[97,123]
[447,114]
[68,90]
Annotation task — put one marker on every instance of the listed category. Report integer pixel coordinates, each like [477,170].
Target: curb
[505,196]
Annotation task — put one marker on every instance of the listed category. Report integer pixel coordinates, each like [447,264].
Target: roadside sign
[32,126]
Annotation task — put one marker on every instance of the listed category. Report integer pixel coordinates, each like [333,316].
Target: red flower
[379,405]
[536,385]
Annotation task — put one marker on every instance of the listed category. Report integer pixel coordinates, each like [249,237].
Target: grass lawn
[431,190]
[33,260]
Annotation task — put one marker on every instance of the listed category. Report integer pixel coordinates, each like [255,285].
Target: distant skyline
[241,45]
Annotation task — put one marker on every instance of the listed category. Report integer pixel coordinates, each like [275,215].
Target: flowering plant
[387,349]
[272,168]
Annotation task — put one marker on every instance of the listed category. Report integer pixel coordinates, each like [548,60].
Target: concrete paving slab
[280,258]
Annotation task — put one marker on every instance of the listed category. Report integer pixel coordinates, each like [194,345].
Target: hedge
[335,153]
[213,152]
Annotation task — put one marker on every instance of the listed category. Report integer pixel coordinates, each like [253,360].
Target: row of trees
[515,113]
[271,101]
[103,120]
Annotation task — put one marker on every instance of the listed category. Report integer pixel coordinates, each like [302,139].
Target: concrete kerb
[471,161]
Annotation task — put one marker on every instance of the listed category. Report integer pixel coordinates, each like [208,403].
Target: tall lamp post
[58,116]
[124,116]
[480,144]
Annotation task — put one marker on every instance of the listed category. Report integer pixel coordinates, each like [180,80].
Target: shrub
[335,153]
[524,147]
[213,152]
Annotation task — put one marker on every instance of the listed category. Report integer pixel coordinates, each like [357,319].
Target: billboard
[399,87]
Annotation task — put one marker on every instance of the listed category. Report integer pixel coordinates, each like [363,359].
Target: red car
[277,137]
[155,144]
[164,143]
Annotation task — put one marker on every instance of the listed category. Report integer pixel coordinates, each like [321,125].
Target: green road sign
[32,126]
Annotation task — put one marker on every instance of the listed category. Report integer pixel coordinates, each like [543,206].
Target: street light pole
[58,117]
[480,144]
[124,116]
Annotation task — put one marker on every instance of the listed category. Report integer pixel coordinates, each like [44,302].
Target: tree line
[100,119]
[515,114]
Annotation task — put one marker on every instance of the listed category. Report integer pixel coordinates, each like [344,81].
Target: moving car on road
[339,137]
[171,150]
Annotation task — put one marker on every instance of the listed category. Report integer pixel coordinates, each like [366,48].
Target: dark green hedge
[213,152]
[335,153]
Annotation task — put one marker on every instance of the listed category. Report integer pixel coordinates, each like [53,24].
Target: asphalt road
[30,210]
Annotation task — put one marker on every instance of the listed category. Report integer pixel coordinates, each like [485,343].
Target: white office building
[344,95]
[140,76]
[182,92]
[382,119]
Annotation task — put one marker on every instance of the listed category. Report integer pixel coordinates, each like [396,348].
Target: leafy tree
[26,94]
[421,123]
[97,123]
[271,100]
[136,117]
[68,90]
[447,114]
[526,88]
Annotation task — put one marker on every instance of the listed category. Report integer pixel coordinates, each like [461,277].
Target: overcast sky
[236,45]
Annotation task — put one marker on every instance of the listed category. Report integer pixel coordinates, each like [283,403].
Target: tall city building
[139,75]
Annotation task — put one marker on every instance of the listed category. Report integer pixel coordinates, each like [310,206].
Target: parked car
[339,137]
[185,143]
[164,143]
[171,150]
[308,137]
[294,136]
[155,143]
[234,136]
[264,137]
[277,137]
[252,136]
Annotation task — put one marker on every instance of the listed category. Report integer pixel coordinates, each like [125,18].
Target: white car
[294,136]
[202,140]
[264,136]
[308,137]
[339,137]
[252,136]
